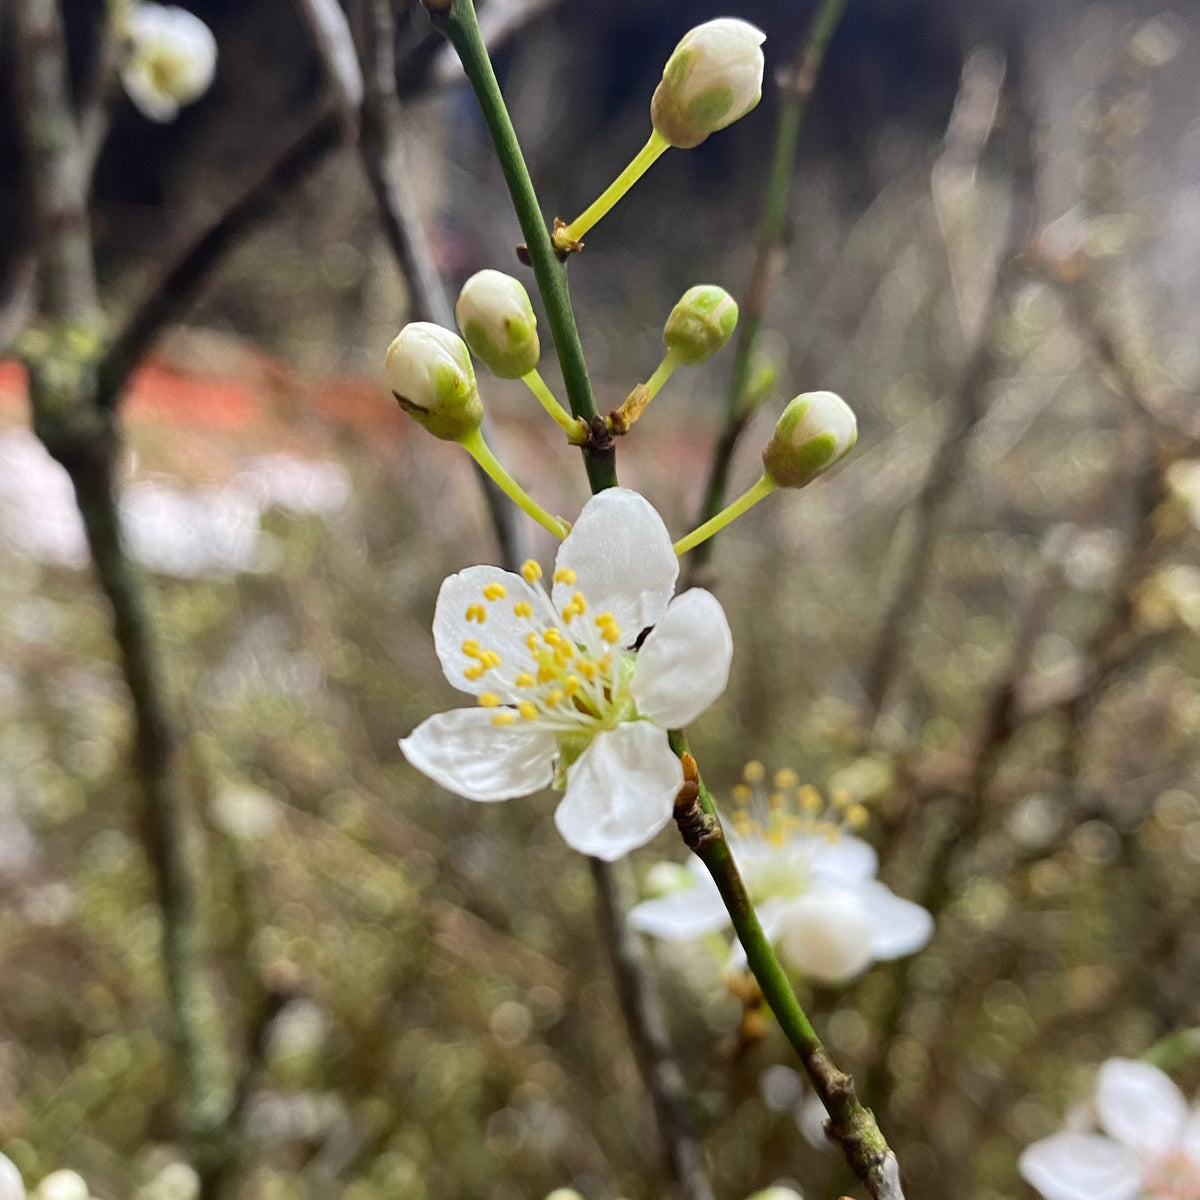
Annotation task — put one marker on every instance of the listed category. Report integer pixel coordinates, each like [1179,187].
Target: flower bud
[430,374]
[496,318]
[700,324]
[815,431]
[170,62]
[713,77]
[62,1185]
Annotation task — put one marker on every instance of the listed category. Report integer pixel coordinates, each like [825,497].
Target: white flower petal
[770,917]
[502,630]
[1189,1140]
[1139,1106]
[620,792]
[899,926]
[683,666]
[681,916]
[826,935]
[172,59]
[464,752]
[1080,1166]
[621,554]
[847,859]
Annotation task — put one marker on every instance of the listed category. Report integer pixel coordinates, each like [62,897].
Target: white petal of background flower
[683,666]
[847,860]
[826,935]
[620,792]
[1139,1106]
[1080,1166]
[621,554]
[1189,1141]
[898,926]
[11,1186]
[464,752]
[501,631]
[682,915]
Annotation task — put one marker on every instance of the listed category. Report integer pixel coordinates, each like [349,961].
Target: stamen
[475,672]
[522,608]
[572,684]
[785,777]
[809,799]
[495,591]
[504,718]
[488,659]
[552,637]
[530,571]
[611,633]
[527,710]
[564,575]
[857,816]
[489,700]
[524,680]
[754,771]
[555,697]
[470,648]
[476,612]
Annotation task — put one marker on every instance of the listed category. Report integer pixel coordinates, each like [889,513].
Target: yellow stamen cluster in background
[572,682]
[782,808]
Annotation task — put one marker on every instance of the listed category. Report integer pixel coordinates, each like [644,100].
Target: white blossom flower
[1149,1148]
[564,696]
[11,1185]
[813,886]
[170,62]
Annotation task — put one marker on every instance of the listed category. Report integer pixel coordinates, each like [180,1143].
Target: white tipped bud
[496,318]
[826,936]
[700,324]
[430,374]
[170,61]
[564,1194]
[815,431]
[713,77]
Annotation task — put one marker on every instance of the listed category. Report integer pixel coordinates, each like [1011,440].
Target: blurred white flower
[1150,1145]
[563,695]
[11,1185]
[813,885]
[62,1185]
[170,62]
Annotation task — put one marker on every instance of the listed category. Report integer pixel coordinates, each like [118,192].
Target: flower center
[572,672]
[1173,1176]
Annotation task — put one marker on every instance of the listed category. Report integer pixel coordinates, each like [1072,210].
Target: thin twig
[795,87]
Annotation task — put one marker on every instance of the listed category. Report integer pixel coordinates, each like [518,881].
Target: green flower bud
[496,318]
[430,374]
[700,324]
[815,431]
[713,77]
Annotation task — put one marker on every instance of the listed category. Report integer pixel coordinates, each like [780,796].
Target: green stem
[460,26]
[546,398]
[478,449]
[750,497]
[604,203]
[851,1124]
[662,373]
[794,93]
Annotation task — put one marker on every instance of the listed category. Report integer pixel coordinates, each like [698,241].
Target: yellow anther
[857,816]
[741,794]
[475,672]
[586,668]
[470,648]
[545,674]
[555,697]
[476,612]
[489,700]
[527,710]
[572,684]
[503,718]
[522,608]
[785,777]
[605,663]
[776,800]
[551,637]
[530,571]
[564,575]
[488,659]
[611,633]
[524,679]
[495,591]
[754,771]
[841,798]
[604,618]
[562,655]
[580,603]
[531,640]
[810,799]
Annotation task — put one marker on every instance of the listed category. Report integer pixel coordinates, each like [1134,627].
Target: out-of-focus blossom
[1149,1146]
[171,60]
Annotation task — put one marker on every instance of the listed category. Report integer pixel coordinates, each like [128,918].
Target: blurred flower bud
[564,1194]
[176,1181]
[777,1193]
[496,318]
[815,431]
[700,324]
[713,77]
[430,374]
[11,1185]
[62,1185]
[170,62]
